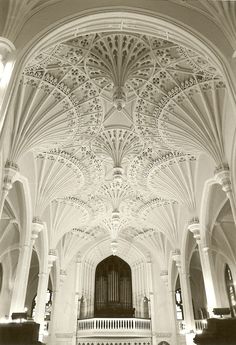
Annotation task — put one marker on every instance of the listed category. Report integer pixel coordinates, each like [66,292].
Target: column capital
[63,275]
[176,256]
[149,259]
[6,47]
[185,273]
[206,249]
[52,256]
[10,171]
[164,276]
[37,227]
[222,176]
[25,246]
[194,228]
[78,258]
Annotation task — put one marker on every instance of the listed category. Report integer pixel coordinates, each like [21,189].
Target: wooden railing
[114,327]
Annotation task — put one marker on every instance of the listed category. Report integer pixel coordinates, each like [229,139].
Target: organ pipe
[113,288]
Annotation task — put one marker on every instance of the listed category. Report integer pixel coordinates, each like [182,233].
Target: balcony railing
[114,327]
[199,326]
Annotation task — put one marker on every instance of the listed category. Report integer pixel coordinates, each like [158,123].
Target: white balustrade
[114,326]
[199,326]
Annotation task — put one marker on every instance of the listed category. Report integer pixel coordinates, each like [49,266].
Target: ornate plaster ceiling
[116,122]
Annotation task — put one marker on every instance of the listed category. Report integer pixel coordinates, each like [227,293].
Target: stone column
[208,270]
[78,294]
[42,294]
[56,307]
[186,293]
[222,176]
[152,299]
[171,301]
[22,272]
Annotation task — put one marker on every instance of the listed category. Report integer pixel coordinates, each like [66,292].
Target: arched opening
[113,288]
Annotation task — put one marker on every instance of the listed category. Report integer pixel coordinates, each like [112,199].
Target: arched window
[230,289]
[178,301]
[179,304]
[113,288]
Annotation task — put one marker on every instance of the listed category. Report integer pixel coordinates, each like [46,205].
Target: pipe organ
[113,289]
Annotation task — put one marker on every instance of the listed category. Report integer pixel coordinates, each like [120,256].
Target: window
[230,289]
[179,304]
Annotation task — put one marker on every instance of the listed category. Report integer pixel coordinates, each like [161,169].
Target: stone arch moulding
[126,19]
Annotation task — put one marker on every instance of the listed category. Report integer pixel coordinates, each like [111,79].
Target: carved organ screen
[113,288]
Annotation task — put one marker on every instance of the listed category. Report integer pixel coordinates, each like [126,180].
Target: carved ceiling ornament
[121,63]
[173,176]
[186,95]
[169,217]
[64,215]
[118,145]
[118,108]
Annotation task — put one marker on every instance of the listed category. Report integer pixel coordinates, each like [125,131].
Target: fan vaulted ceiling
[116,123]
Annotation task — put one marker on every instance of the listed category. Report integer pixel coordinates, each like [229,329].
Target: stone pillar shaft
[187,300]
[22,271]
[210,279]
[208,270]
[185,291]
[21,280]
